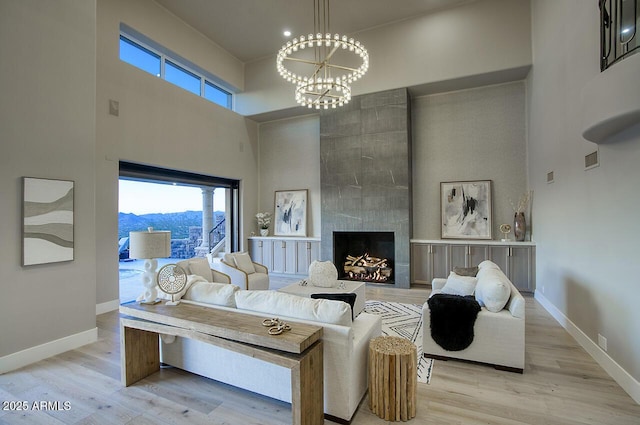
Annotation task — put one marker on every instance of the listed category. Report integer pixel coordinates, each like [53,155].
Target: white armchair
[243,272]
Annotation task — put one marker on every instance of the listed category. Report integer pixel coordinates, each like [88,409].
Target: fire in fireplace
[364,256]
[367,268]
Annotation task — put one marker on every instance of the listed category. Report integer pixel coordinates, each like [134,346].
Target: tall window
[158,61]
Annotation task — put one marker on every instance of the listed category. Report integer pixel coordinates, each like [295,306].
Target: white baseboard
[35,354]
[107,307]
[621,376]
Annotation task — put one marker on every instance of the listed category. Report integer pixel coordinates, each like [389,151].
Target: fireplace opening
[364,256]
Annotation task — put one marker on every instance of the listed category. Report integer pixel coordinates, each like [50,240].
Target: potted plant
[264,221]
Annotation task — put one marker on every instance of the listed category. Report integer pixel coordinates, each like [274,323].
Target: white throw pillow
[244,263]
[323,274]
[277,304]
[228,258]
[201,267]
[213,293]
[459,285]
[493,290]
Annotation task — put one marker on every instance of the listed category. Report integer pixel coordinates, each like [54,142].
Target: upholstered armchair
[243,271]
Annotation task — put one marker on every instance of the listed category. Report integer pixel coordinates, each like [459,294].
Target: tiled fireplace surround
[365,151]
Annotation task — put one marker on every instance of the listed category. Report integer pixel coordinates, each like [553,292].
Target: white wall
[290,159]
[476,134]
[47,130]
[161,124]
[476,38]
[587,223]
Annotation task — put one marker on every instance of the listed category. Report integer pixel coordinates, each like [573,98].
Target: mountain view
[177,223]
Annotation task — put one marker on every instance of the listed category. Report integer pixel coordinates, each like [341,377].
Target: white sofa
[345,350]
[499,336]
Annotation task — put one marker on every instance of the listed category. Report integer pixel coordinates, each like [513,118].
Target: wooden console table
[299,349]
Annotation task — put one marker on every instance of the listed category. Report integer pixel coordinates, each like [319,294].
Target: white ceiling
[253,29]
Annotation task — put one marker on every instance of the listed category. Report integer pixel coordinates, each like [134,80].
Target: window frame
[176,61]
[135,171]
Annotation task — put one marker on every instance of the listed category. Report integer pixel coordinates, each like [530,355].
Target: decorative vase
[264,232]
[519,226]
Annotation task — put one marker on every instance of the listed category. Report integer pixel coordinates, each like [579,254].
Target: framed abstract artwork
[465,209]
[47,221]
[290,213]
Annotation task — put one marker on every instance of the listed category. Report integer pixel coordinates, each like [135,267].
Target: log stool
[393,378]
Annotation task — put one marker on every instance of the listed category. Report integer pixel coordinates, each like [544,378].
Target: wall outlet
[114,107]
[602,342]
[542,289]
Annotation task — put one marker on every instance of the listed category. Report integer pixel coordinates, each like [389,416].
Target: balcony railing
[217,234]
[619,20]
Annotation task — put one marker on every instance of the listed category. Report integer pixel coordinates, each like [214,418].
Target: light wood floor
[561,385]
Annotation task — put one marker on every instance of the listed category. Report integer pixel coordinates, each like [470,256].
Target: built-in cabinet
[431,259]
[291,256]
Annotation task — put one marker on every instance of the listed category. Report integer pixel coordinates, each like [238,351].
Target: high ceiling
[253,29]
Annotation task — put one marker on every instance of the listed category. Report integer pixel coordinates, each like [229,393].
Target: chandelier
[320,82]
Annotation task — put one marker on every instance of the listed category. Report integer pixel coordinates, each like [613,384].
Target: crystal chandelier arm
[346,68]
[319,64]
[326,93]
[289,58]
[326,58]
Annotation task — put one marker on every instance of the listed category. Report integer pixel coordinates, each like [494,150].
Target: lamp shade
[150,244]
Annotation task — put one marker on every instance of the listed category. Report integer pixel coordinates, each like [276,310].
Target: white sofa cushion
[459,285]
[212,293]
[282,304]
[323,274]
[493,289]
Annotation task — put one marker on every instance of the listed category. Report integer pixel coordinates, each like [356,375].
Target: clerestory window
[150,57]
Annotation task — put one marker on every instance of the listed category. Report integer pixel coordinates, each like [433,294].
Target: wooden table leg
[307,388]
[139,354]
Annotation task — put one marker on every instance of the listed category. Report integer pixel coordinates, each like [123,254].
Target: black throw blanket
[452,320]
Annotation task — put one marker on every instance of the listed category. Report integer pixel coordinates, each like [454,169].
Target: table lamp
[148,246]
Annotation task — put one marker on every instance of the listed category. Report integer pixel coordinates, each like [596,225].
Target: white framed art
[290,216]
[47,221]
[465,209]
